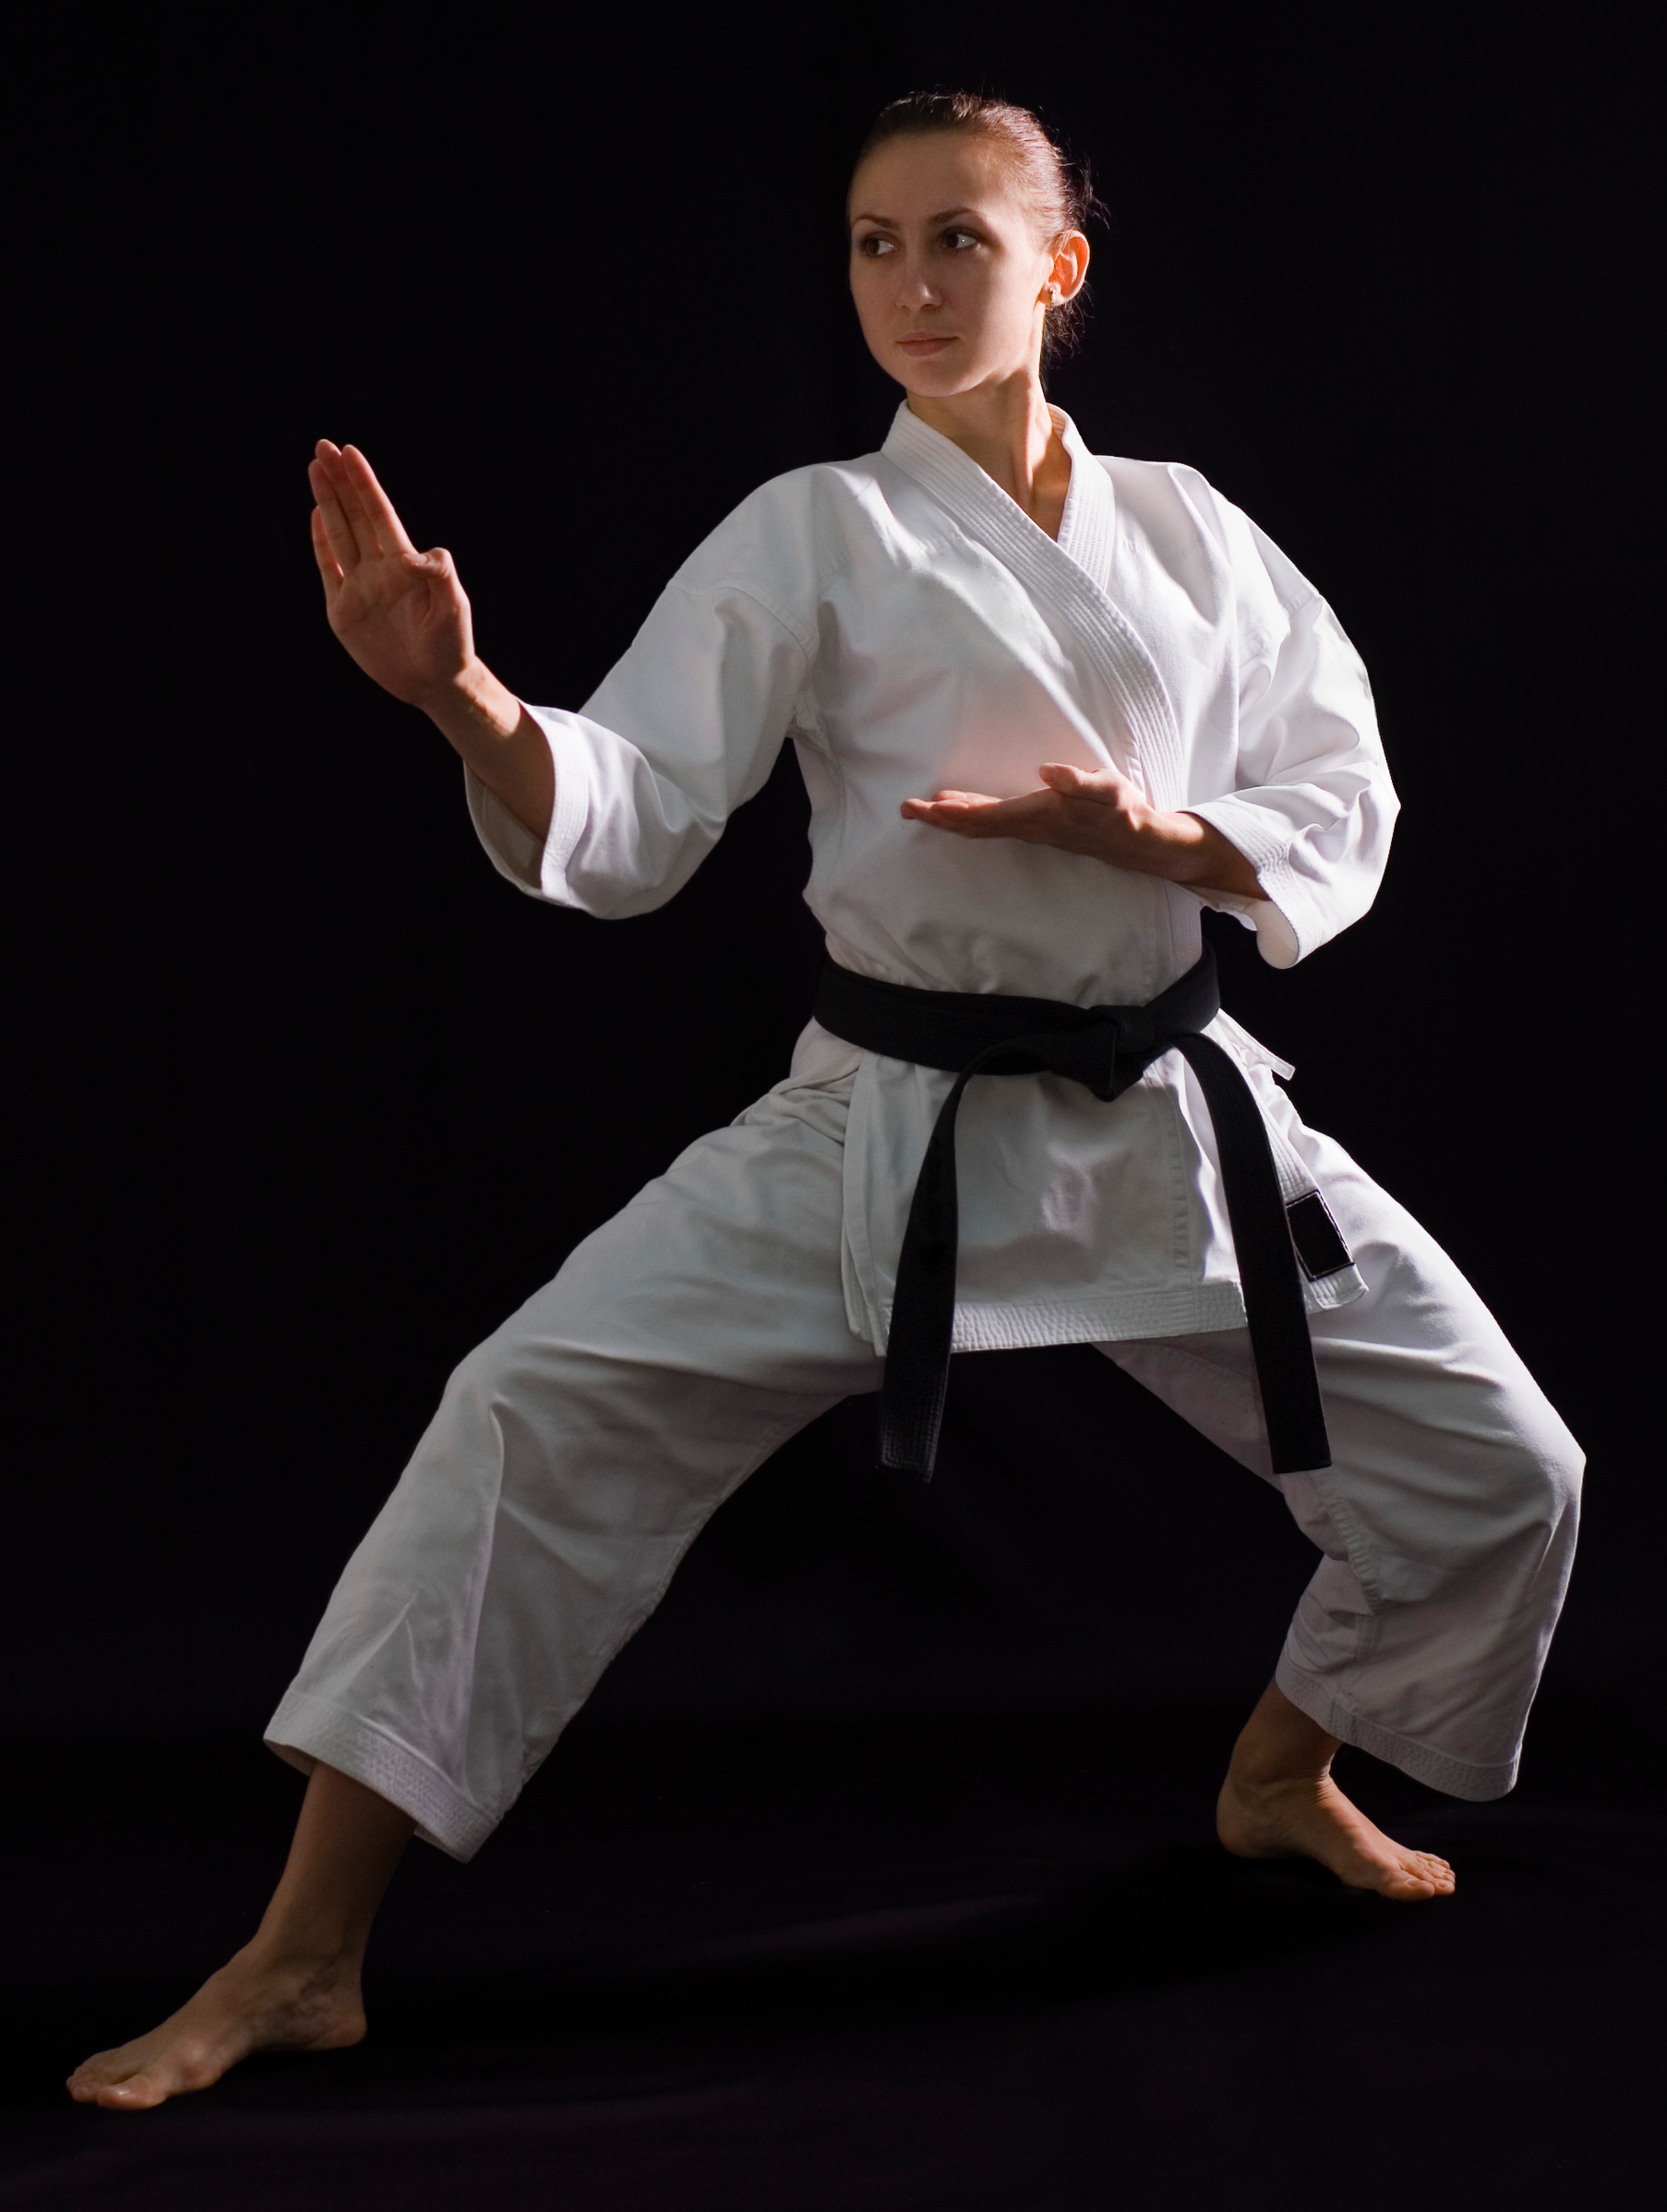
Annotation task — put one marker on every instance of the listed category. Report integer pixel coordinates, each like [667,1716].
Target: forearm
[1189,850]
[499,741]
[1181,848]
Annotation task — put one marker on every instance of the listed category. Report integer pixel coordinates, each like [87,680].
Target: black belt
[1106,1048]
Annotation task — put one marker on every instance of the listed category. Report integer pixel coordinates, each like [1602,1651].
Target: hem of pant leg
[1437,1770]
[444,1817]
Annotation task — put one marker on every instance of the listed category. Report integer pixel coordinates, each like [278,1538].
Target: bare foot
[1312,1818]
[1279,1801]
[296,1986]
[255,2002]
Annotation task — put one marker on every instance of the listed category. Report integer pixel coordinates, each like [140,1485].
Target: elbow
[1276,940]
[616,879]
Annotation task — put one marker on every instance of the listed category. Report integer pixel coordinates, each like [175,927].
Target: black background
[320,1097]
[880,1870]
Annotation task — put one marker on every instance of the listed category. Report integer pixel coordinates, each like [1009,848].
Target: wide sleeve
[1313,809]
[684,729]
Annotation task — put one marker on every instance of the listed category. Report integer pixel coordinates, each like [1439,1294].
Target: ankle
[308,1958]
[1281,1747]
[1264,1775]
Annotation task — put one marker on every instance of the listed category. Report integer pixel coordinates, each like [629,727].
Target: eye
[958,241]
[872,246]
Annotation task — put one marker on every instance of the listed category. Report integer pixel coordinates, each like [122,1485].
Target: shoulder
[792,532]
[1176,509]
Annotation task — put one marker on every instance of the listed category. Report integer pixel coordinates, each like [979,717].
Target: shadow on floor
[958,1967]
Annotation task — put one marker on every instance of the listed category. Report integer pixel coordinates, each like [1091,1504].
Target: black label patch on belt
[1319,1245]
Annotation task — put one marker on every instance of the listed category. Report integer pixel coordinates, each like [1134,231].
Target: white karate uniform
[911,629]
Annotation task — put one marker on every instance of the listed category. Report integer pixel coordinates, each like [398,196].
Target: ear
[1069,268]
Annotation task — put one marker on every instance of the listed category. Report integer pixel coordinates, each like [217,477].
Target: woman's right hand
[402,613]
[403,617]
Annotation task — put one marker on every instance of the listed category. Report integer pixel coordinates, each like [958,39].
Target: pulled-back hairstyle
[1058,185]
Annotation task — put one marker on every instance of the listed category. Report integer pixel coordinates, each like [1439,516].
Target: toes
[137,2095]
[94,2074]
[133,2081]
[1421,1874]
[133,2097]
[1406,1882]
[171,2074]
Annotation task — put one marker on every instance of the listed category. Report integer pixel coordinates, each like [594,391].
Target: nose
[915,290]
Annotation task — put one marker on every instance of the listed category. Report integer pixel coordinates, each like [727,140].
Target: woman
[980,597]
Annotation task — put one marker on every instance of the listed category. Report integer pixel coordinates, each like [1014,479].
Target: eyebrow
[890,222]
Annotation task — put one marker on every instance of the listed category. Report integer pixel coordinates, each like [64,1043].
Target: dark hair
[1059,185]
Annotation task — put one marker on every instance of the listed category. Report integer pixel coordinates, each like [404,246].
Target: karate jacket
[907,627]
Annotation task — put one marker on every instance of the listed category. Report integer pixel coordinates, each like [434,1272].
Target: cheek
[1018,297]
[987,301]
[867,284]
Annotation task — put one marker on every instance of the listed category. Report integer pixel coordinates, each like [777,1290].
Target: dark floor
[946,1966]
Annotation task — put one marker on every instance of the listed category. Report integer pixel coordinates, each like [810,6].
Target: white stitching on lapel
[984,509]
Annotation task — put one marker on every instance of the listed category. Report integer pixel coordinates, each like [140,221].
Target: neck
[1006,428]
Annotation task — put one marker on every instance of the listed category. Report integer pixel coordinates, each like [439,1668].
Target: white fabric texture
[577,1452]
[911,628]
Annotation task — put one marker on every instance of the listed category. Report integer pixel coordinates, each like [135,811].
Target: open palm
[402,613]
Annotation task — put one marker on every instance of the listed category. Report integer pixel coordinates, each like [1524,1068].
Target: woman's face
[949,274]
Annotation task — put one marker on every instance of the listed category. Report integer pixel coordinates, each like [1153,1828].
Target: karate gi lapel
[1070,576]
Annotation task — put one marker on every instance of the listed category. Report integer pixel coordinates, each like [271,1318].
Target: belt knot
[1107,1052]
[1106,1048]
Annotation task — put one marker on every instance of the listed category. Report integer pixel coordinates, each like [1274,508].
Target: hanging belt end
[908,1469]
[907,1442]
[1301,1460]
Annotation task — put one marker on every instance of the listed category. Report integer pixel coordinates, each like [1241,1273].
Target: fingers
[963,799]
[912,809]
[972,814]
[367,503]
[329,569]
[339,534]
[947,811]
[1107,784]
[1080,810]
[358,514]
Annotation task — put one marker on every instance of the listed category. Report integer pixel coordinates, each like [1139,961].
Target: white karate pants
[577,1453]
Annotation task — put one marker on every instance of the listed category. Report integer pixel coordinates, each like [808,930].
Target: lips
[925,341]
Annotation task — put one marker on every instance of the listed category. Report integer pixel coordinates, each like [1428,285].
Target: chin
[936,377]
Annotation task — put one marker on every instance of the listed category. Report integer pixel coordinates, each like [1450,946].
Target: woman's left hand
[1101,813]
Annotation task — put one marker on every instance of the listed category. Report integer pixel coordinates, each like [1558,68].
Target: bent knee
[1535,1497]
[537,1387]
[509,1371]
[482,1379]
[1551,1466]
